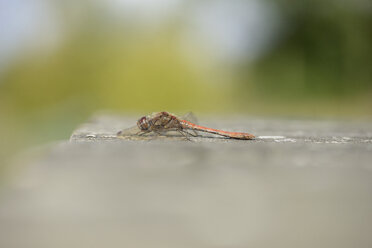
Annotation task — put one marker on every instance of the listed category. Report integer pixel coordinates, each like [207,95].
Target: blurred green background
[61,61]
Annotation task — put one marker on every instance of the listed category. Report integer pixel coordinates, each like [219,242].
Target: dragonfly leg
[158,133]
[193,133]
[184,134]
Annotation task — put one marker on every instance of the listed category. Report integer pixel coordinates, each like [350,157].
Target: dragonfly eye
[143,124]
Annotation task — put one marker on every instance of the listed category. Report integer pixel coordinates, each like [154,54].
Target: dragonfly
[161,122]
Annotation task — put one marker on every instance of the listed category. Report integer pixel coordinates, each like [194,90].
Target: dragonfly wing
[130,131]
[190,116]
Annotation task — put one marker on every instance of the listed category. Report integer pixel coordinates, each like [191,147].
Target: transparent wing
[132,131]
[190,116]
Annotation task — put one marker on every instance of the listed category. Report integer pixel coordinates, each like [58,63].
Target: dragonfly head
[143,124]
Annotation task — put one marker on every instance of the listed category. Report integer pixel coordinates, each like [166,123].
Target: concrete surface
[299,184]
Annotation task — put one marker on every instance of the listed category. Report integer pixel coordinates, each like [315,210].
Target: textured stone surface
[299,184]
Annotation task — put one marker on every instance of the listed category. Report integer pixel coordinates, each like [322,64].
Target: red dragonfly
[164,121]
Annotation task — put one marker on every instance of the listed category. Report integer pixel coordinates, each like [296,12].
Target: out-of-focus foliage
[321,64]
[325,51]
[318,64]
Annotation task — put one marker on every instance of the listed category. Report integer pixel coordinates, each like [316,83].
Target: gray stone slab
[299,184]
[105,127]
